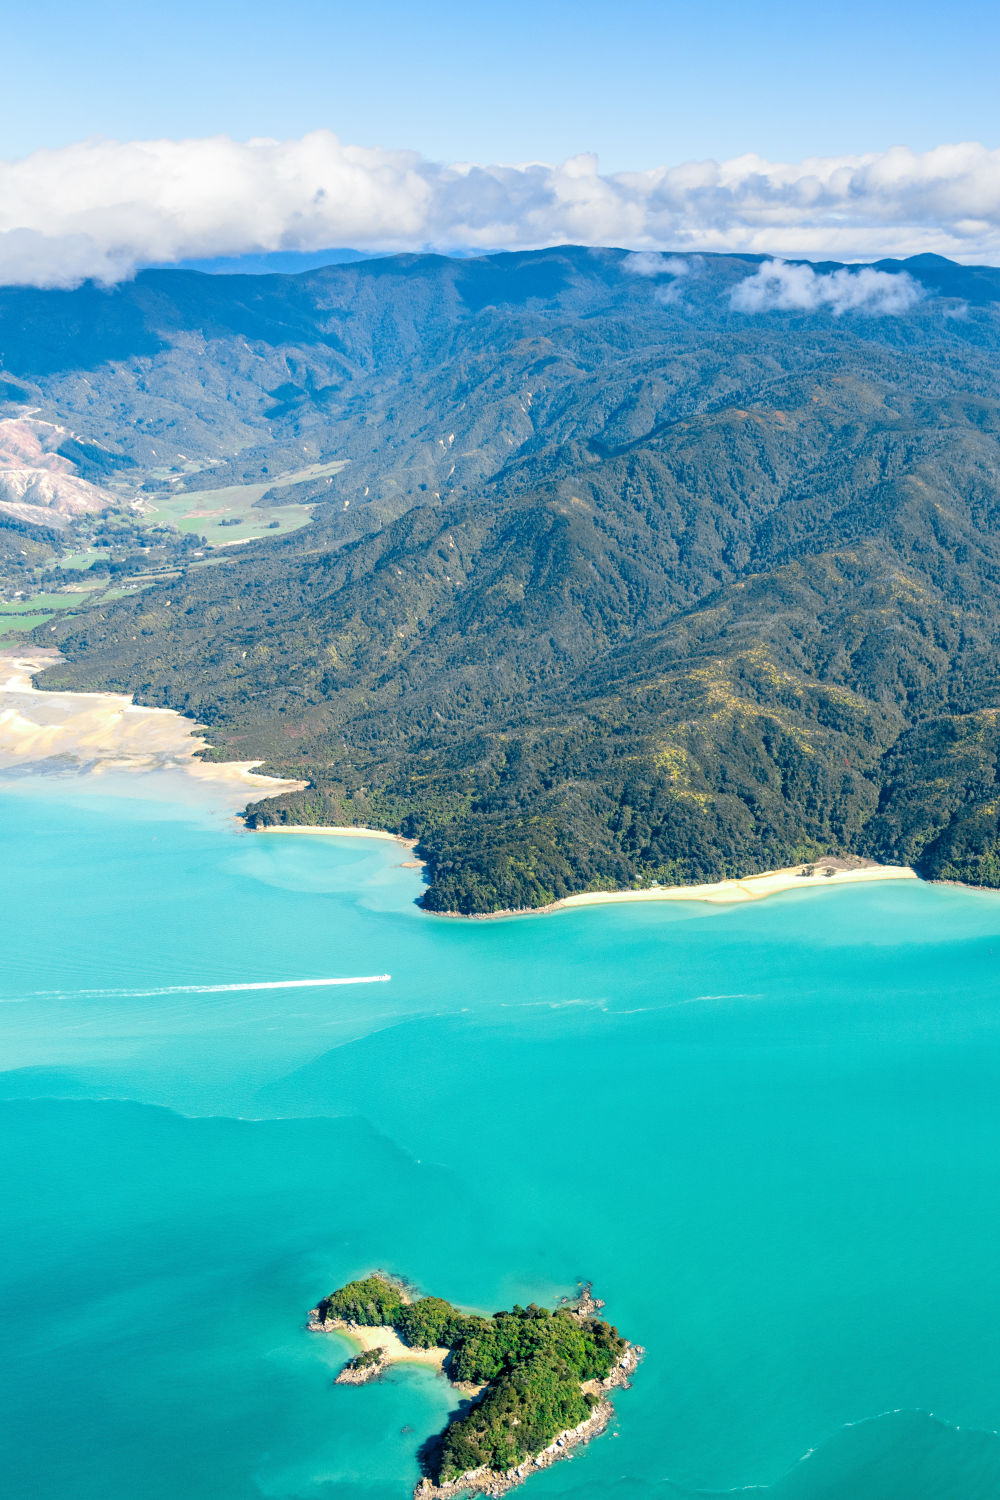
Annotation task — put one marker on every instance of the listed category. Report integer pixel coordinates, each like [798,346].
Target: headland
[99,734]
[826,873]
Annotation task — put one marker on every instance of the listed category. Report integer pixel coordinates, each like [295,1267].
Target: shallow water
[769,1133]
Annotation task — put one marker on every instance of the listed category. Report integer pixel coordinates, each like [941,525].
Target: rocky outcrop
[366,1366]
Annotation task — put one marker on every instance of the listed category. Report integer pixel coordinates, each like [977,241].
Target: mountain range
[628,578]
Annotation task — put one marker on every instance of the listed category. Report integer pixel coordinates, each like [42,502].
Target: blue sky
[641,84]
[135,134]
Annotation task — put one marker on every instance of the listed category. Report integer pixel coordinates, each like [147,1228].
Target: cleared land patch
[213,514]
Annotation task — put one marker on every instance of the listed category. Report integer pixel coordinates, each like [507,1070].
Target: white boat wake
[209,989]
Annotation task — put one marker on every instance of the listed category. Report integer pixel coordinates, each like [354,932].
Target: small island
[534,1383]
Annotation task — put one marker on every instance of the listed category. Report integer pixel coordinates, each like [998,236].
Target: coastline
[497,1482]
[828,876]
[825,873]
[380,1347]
[94,735]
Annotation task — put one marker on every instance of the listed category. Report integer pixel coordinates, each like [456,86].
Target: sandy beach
[97,734]
[751,888]
[339,833]
[387,1339]
[826,875]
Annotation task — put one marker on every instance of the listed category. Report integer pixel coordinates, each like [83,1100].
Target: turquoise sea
[769,1134]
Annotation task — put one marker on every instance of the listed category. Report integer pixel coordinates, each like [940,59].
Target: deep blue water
[770,1134]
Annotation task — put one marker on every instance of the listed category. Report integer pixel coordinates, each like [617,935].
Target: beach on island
[386,1339]
[390,1343]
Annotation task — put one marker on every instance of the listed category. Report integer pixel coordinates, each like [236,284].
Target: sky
[627,86]
[642,83]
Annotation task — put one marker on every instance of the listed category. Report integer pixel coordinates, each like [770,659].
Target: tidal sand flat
[97,734]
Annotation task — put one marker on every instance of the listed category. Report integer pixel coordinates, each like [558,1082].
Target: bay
[770,1134]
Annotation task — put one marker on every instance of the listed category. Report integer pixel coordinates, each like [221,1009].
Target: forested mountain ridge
[642,588]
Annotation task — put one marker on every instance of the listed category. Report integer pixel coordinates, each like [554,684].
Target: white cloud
[101,207]
[778,285]
[653,263]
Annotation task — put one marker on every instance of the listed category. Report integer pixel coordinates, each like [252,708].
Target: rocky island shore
[534,1384]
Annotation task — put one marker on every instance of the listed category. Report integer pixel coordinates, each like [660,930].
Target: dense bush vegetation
[520,1414]
[373,1302]
[429,1323]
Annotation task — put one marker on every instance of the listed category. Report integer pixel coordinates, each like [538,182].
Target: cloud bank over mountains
[800,288]
[101,208]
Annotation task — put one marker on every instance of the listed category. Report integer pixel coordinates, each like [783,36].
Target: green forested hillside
[615,587]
